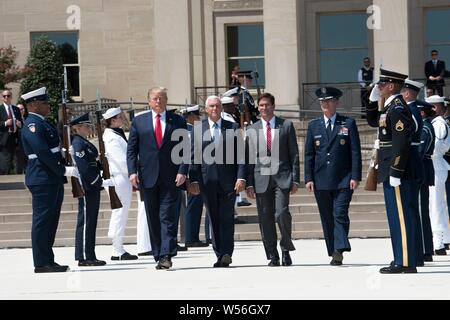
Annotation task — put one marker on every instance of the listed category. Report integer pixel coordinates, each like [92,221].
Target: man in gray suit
[274,173]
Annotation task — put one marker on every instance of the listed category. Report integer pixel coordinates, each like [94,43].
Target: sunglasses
[7,96]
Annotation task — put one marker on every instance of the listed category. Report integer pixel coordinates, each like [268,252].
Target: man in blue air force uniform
[333,170]
[44,178]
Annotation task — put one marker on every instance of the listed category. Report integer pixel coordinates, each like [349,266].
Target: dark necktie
[329,128]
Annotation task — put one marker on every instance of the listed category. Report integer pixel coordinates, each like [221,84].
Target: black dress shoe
[420,263]
[243,203]
[447,246]
[440,252]
[286,260]
[337,258]
[91,263]
[223,262]
[394,268]
[125,256]
[164,264]
[274,262]
[180,248]
[145,254]
[197,244]
[51,268]
[428,257]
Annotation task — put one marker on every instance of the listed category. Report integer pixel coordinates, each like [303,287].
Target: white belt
[53,150]
[415,144]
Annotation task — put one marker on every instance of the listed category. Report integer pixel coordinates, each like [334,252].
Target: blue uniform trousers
[333,207]
[47,201]
[193,218]
[87,226]
[402,223]
[427,233]
[160,205]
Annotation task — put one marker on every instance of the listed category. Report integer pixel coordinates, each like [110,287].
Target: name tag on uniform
[317,137]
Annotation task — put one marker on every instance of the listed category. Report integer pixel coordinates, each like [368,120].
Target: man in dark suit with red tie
[10,123]
[150,143]
[435,71]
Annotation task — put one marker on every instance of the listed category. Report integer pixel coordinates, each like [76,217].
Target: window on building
[245,47]
[344,44]
[437,33]
[68,45]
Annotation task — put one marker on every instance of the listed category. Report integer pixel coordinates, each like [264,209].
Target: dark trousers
[47,201]
[273,208]
[20,160]
[193,217]
[220,205]
[7,156]
[365,94]
[427,233]
[333,207]
[87,225]
[437,89]
[401,222]
[160,206]
[417,223]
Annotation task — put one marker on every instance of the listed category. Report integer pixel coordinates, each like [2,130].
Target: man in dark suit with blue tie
[218,170]
[435,73]
[333,170]
[150,142]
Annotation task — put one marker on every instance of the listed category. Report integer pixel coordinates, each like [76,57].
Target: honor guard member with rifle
[426,150]
[44,178]
[438,205]
[396,129]
[116,144]
[85,155]
[410,91]
[333,170]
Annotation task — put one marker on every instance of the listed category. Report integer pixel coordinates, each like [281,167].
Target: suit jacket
[331,162]
[4,131]
[287,170]
[225,174]
[153,162]
[438,71]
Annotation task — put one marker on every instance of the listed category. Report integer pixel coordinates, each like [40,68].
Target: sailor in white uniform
[438,205]
[116,152]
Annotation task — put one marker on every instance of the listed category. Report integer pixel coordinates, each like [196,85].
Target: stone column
[282,52]
[391,41]
[173,49]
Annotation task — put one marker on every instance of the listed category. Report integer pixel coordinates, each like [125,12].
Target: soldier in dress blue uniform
[410,91]
[333,170]
[44,178]
[426,150]
[85,156]
[395,171]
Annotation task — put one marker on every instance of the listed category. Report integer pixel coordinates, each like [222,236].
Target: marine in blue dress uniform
[85,156]
[44,178]
[426,150]
[395,130]
[333,170]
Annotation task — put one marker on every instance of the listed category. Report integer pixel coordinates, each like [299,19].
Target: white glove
[394,182]
[72,172]
[375,94]
[107,183]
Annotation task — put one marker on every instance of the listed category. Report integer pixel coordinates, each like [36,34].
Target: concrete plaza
[192,278]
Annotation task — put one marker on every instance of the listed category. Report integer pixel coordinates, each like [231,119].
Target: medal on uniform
[384,132]
[342,142]
[318,143]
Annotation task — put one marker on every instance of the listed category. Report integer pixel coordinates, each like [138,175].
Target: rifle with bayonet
[77,189]
[113,197]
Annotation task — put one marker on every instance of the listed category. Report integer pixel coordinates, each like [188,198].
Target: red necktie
[269,137]
[158,130]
